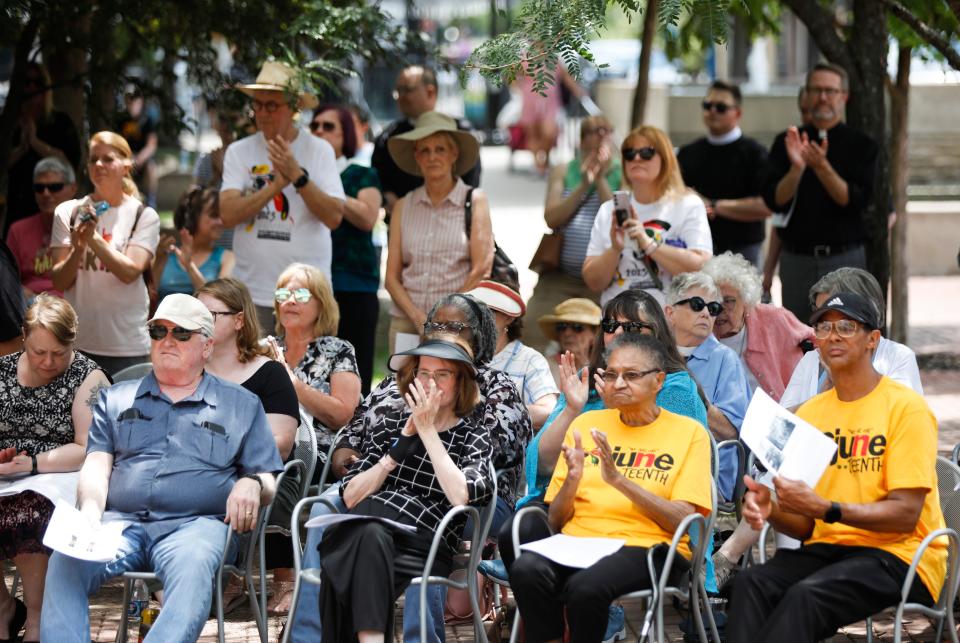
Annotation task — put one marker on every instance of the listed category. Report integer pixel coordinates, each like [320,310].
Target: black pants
[543,590]
[806,594]
[358,325]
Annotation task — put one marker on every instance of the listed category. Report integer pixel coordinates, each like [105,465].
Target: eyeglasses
[403,90]
[645,153]
[269,106]
[158,332]
[844,327]
[611,326]
[326,126]
[217,313]
[697,304]
[454,327]
[440,377]
[301,295]
[829,92]
[630,377]
[49,187]
[599,131]
[718,107]
[562,326]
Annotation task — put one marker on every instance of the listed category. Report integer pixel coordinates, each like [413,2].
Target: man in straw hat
[281,188]
[416,94]
[571,327]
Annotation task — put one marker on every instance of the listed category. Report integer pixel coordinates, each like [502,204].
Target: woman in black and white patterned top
[415,467]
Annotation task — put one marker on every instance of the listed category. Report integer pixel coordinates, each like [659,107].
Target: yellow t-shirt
[886,440]
[669,457]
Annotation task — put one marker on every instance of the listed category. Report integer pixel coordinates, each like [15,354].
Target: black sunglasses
[562,326]
[645,153]
[49,187]
[611,326]
[158,332]
[697,304]
[718,107]
[326,126]
[445,327]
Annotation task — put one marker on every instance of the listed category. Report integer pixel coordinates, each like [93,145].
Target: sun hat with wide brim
[401,146]
[499,297]
[573,311]
[438,348]
[280,77]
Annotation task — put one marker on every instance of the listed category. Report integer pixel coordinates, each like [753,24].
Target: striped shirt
[434,247]
[576,234]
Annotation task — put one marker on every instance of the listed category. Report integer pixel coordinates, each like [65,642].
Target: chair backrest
[305,450]
[134,372]
[955,454]
[948,486]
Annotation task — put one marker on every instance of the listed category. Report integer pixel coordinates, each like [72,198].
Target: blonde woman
[665,233]
[101,246]
[323,369]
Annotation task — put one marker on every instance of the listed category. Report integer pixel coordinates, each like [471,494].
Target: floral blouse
[501,411]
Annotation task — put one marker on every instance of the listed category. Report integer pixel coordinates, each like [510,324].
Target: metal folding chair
[133,372]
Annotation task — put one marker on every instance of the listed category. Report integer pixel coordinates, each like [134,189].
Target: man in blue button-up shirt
[693,303]
[180,454]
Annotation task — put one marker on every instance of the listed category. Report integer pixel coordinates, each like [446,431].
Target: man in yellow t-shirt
[864,521]
[631,472]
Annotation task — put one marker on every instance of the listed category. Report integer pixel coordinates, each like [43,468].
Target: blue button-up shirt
[724,381]
[174,462]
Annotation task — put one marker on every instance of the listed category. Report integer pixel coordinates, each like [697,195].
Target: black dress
[34,419]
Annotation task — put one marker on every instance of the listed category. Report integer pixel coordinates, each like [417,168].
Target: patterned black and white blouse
[40,418]
[324,357]
[501,411]
[412,488]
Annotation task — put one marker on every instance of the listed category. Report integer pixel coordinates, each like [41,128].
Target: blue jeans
[437,594]
[185,560]
[305,627]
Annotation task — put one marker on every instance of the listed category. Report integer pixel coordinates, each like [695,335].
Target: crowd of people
[651,338]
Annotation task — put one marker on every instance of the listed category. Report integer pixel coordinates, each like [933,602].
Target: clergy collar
[725,139]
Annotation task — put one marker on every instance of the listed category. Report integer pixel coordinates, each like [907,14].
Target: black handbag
[504,271]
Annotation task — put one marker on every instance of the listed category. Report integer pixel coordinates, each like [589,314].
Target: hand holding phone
[621,206]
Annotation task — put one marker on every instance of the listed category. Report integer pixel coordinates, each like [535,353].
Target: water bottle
[139,601]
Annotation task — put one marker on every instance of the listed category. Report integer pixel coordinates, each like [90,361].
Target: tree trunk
[899,111]
[10,115]
[646,53]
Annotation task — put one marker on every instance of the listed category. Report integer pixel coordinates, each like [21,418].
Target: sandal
[279,604]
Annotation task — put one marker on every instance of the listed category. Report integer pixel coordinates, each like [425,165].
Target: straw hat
[280,77]
[572,311]
[429,123]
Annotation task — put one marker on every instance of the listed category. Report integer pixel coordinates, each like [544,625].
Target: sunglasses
[844,327]
[611,326]
[697,304]
[270,106]
[599,131]
[326,126]
[158,332]
[718,107]
[630,377]
[49,187]
[300,295]
[445,327]
[562,326]
[645,153]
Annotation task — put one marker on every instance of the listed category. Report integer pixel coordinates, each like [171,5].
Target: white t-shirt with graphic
[112,315]
[284,231]
[681,223]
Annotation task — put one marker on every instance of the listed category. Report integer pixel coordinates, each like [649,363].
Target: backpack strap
[468,212]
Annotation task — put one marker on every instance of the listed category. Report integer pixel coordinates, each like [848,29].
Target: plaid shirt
[501,411]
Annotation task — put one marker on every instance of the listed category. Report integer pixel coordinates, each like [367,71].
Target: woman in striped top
[574,195]
[431,253]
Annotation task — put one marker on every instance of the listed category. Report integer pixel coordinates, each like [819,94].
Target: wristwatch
[303,180]
[833,513]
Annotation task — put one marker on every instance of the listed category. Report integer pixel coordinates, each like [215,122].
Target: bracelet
[255,477]
[388,463]
[33,467]
[650,249]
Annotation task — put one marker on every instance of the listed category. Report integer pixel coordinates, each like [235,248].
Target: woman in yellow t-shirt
[632,472]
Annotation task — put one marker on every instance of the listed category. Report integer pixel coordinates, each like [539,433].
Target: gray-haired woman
[769,339]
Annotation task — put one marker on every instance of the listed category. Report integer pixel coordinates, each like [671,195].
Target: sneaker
[494,569]
[724,569]
[616,625]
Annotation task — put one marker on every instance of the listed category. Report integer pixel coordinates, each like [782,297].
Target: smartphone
[621,206]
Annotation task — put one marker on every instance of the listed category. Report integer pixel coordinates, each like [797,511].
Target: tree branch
[954,7]
[929,35]
[820,24]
